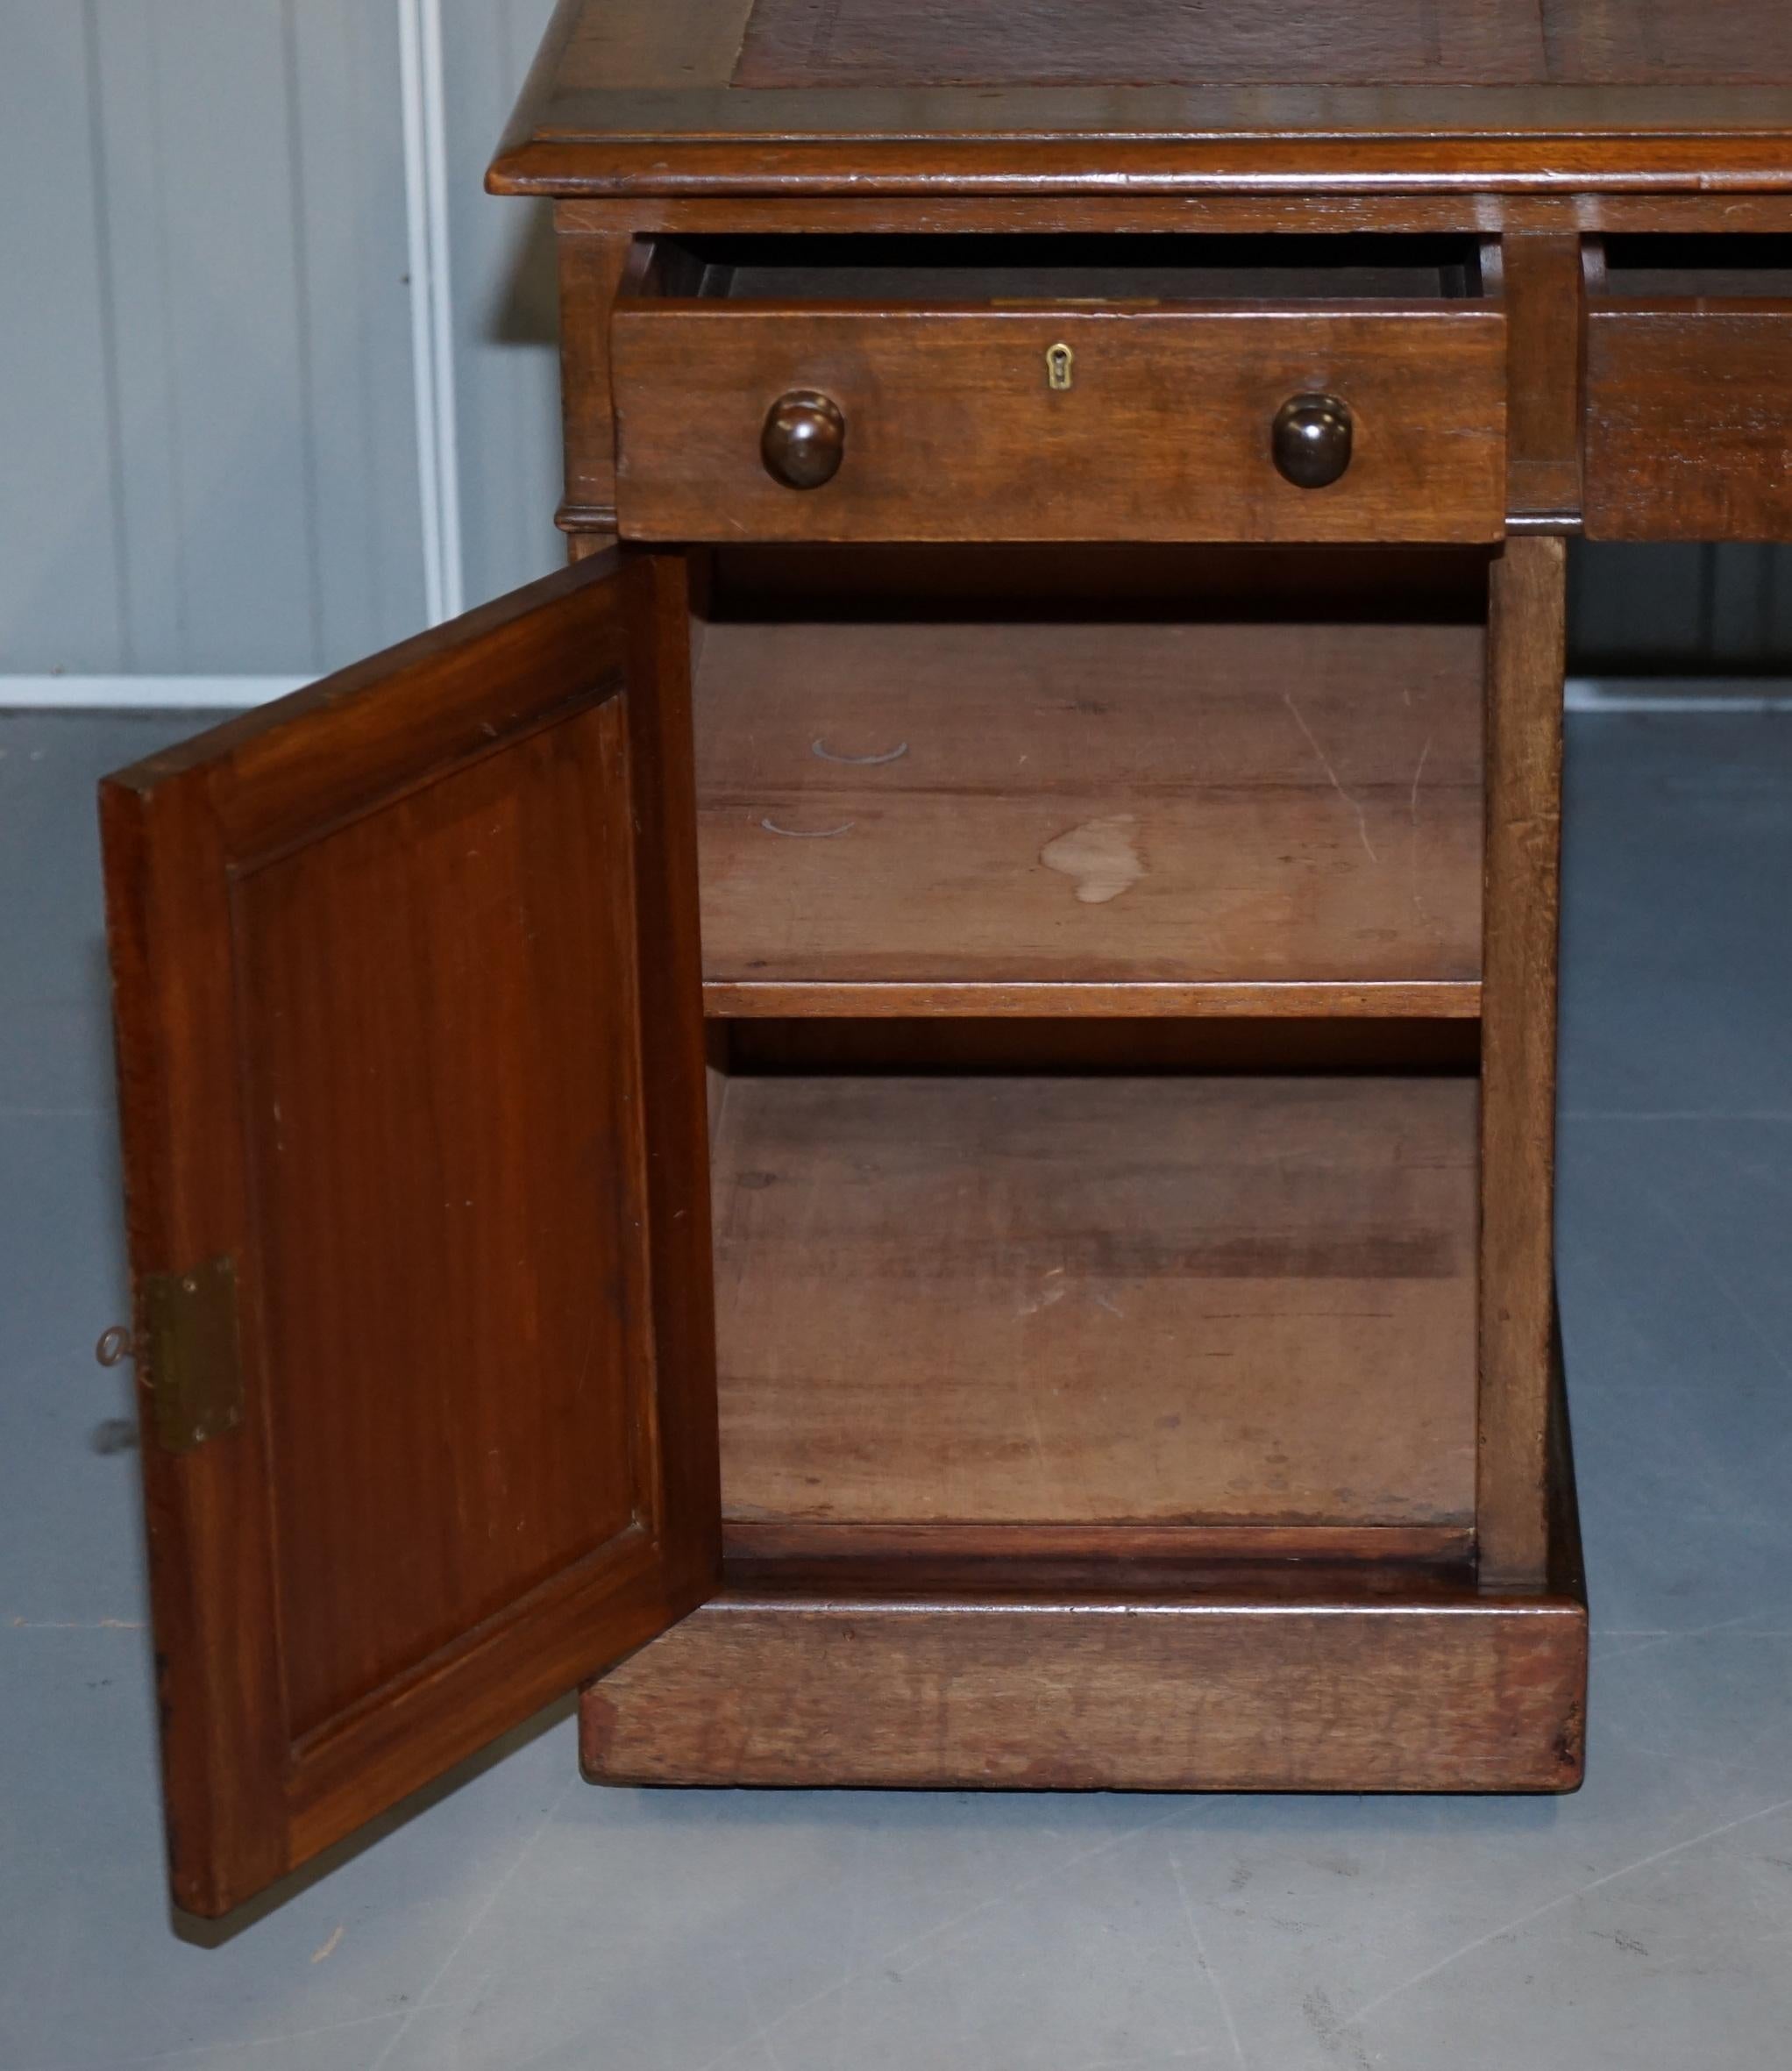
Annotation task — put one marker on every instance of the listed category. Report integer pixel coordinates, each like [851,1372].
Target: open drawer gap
[994,270]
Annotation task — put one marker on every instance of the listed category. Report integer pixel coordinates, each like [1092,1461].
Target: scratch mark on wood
[863,761]
[1424,756]
[808,834]
[1362,817]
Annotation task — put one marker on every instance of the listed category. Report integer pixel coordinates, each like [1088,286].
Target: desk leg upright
[1520,1387]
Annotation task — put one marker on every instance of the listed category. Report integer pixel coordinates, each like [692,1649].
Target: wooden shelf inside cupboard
[1097,1313]
[1101,818]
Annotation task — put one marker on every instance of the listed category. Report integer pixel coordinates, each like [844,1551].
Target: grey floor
[524,1920]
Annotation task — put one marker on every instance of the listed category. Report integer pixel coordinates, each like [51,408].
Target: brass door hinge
[192,1365]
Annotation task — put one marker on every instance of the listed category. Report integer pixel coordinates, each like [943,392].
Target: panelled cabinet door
[410,1047]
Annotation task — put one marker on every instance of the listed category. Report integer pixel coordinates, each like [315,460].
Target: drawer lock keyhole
[1060,368]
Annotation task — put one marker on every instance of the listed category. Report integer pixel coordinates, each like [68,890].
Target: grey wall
[208,450]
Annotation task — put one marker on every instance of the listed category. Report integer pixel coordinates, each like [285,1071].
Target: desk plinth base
[1257,1679]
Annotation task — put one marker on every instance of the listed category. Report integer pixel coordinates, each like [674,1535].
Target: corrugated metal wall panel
[61,584]
[200,190]
[213,468]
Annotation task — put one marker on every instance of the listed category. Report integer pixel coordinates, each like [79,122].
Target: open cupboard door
[411,1064]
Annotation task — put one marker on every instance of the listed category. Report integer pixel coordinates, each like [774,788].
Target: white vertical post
[431,335]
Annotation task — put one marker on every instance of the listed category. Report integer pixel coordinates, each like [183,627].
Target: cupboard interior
[1100,1282]
[1059,1313]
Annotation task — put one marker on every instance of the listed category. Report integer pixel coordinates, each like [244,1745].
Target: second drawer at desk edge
[1152,423]
[1688,419]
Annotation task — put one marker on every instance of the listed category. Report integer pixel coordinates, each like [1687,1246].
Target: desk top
[687,97]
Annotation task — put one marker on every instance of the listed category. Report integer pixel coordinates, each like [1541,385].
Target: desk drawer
[1038,417]
[1690,390]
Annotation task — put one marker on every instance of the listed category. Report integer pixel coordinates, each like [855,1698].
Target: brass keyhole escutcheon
[1060,368]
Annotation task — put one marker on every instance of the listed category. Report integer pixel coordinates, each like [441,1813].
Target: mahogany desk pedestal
[905,1122]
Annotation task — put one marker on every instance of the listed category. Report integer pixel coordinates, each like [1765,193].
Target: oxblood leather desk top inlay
[1248,42]
[815,95]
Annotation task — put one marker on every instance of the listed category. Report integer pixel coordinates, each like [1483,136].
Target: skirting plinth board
[1444,1694]
[1285,1676]
[1276,1675]
[1268,1675]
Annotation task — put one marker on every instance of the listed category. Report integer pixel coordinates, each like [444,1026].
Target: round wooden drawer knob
[804,440]
[1312,440]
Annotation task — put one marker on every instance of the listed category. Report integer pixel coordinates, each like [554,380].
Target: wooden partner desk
[905,1123]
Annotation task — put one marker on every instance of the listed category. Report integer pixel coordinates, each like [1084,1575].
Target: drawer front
[1032,425]
[1689,421]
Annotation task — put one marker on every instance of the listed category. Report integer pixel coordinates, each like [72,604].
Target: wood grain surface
[412,1195]
[384,953]
[1020,1552]
[1540,279]
[1096,1300]
[1015,817]
[1527,643]
[953,432]
[1437,1693]
[1307,211]
[1689,417]
[591,264]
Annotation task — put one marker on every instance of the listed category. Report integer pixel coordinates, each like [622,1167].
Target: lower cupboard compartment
[1038,1313]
